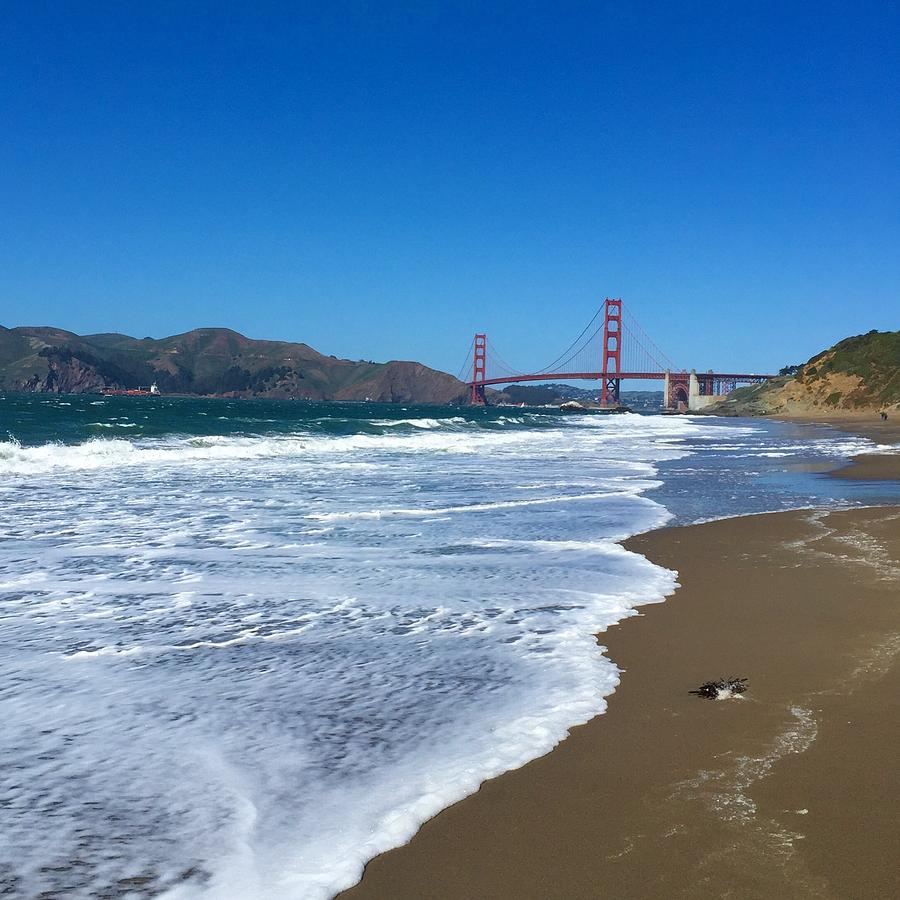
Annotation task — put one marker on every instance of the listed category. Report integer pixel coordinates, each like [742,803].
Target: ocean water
[245,646]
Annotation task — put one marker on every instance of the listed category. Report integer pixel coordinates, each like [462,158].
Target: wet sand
[866,424]
[790,792]
[870,466]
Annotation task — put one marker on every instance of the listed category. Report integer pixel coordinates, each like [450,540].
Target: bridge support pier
[677,390]
[479,370]
[700,393]
[612,352]
[610,393]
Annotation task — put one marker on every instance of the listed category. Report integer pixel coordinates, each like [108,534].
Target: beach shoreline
[866,425]
[867,466]
[668,795]
[870,467]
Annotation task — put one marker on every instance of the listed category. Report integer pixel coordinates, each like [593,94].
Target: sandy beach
[866,424]
[869,466]
[789,791]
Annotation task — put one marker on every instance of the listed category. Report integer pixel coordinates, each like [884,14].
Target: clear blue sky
[382,179]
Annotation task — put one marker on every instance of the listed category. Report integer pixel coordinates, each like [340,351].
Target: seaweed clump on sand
[721,688]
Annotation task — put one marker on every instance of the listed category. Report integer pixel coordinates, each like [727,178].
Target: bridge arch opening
[679,394]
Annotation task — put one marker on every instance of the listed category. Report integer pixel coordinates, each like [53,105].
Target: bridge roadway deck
[622,376]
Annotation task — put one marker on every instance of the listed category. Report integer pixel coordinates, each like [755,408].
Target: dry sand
[789,792]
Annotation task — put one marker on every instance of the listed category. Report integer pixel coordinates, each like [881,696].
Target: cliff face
[208,362]
[859,375]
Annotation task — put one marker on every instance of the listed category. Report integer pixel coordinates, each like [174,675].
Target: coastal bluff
[214,362]
[858,376]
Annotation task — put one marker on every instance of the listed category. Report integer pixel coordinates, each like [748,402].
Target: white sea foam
[101,453]
[420,423]
[427,512]
[241,666]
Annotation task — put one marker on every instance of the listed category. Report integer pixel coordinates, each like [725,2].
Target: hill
[208,362]
[860,374]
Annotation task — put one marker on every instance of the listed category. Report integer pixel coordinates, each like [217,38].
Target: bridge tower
[479,370]
[612,352]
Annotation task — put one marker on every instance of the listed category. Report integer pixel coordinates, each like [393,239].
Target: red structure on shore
[625,353]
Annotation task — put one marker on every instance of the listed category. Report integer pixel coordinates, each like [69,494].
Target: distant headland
[213,362]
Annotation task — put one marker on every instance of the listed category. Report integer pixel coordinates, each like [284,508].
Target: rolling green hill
[209,362]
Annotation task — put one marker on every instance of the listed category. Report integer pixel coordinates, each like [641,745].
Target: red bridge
[609,350]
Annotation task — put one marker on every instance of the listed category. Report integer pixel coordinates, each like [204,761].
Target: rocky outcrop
[69,373]
[573,406]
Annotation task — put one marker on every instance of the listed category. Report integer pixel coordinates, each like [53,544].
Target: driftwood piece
[721,687]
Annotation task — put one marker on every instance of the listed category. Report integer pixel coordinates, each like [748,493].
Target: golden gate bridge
[611,348]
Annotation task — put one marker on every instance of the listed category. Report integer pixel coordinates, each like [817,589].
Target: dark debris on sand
[713,689]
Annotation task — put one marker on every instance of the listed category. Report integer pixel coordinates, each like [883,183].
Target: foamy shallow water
[240,665]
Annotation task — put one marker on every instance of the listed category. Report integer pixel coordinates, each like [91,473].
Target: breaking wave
[241,664]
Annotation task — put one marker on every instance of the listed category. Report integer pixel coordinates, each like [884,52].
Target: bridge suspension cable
[640,352]
[498,364]
[610,350]
[465,370]
[586,356]
[558,364]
